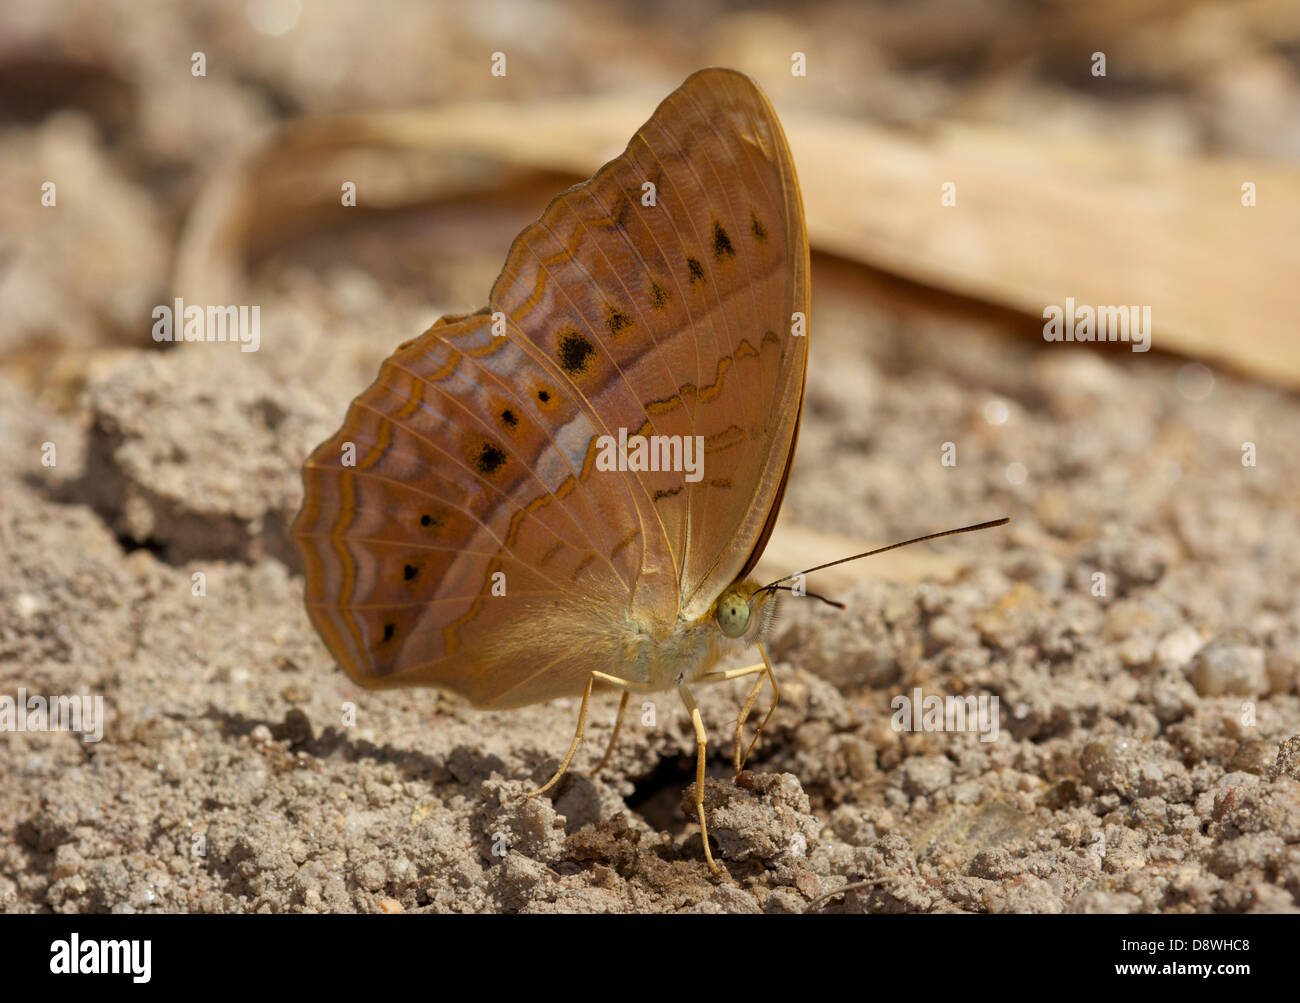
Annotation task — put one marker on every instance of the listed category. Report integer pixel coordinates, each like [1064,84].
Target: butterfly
[569,489]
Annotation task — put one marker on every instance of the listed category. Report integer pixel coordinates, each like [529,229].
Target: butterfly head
[744,611]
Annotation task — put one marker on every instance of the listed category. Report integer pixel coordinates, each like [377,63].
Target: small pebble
[1221,669]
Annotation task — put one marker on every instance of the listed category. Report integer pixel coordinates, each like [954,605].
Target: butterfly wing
[456,530]
[453,534]
[674,277]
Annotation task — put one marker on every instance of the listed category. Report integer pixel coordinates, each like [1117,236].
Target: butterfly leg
[737,760]
[764,667]
[582,727]
[753,695]
[725,674]
[618,723]
[701,743]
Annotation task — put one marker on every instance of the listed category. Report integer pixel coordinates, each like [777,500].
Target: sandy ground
[1148,750]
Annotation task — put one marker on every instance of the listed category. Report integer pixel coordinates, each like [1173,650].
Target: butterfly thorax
[693,647]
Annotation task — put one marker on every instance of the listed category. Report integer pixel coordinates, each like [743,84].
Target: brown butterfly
[568,489]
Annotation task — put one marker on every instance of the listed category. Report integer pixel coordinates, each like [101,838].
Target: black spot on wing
[574,352]
[722,243]
[617,321]
[490,459]
[694,270]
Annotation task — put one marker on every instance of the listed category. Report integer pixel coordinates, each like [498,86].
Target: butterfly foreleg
[618,724]
[722,676]
[701,744]
[749,703]
[764,667]
[582,727]
[738,760]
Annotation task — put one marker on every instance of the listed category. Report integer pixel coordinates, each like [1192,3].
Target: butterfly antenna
[879,550]
[807,595]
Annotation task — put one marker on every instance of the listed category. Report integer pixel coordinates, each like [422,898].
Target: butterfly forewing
[673,277]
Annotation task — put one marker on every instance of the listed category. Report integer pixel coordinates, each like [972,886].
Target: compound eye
[733,616]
